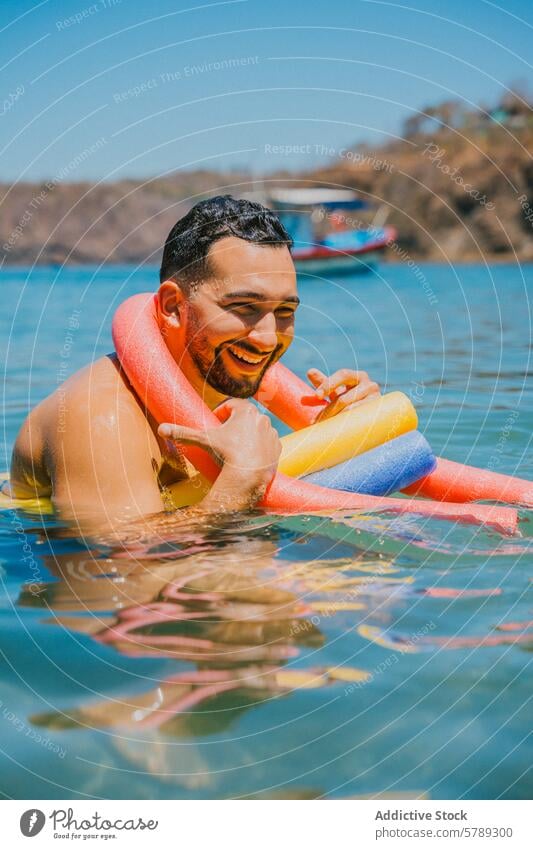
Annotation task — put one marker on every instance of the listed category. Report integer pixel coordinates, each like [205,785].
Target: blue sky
[110,89]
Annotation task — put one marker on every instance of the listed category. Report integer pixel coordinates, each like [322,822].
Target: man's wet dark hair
[185,255]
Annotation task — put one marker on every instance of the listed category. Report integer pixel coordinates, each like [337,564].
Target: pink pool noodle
[455,482]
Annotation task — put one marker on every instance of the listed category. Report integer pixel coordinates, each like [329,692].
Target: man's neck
[206,392]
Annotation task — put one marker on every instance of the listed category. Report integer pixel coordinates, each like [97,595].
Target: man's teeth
[247,358]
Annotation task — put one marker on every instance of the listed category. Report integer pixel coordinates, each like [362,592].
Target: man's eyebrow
[256,296]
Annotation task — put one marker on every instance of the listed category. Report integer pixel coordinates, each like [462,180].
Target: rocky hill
[457,186]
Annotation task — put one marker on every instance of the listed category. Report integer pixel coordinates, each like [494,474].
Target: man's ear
[170,301]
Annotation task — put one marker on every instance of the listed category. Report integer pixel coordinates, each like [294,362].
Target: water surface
[264,656]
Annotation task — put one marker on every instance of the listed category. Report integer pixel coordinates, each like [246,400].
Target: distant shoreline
[488,260]
[443,187]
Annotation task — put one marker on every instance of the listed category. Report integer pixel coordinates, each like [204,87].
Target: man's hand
[247,446]
[345,390]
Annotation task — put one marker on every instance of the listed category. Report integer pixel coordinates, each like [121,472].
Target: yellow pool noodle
[188,492]
[346,435]
[33,505]
[176,495]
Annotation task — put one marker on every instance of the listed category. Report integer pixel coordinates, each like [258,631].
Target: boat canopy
[329,198]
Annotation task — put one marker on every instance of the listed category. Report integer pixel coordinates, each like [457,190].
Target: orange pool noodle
[163,389]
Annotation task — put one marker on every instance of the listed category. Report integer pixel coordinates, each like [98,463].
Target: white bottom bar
[268,824]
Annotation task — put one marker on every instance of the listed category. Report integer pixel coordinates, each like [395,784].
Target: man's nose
[264,333]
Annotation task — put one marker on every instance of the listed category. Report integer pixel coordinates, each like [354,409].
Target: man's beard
[214,372]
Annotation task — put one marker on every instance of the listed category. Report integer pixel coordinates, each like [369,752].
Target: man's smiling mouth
[246,358]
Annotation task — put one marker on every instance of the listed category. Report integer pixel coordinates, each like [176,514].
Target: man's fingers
[223,411]
[337,383]
[343,378]
[187,435]
[359,393]
[230,406]
[327,413]
[350,399]
[316,377]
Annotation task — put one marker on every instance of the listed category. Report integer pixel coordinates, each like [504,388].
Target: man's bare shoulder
[102,378]
[97,389]
[98,400]
[95,405]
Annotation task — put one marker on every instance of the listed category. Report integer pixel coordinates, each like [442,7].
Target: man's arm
[102,460]
[247,447]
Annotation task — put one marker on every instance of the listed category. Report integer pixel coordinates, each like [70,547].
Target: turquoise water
[264,656]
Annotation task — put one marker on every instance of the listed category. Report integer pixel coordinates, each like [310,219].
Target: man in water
[225,306]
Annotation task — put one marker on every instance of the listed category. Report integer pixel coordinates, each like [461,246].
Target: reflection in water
[238,611]
[233,615]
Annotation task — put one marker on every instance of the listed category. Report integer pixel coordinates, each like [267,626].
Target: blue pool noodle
[384,469]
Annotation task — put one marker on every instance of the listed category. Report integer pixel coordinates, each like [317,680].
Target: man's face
[240,321]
